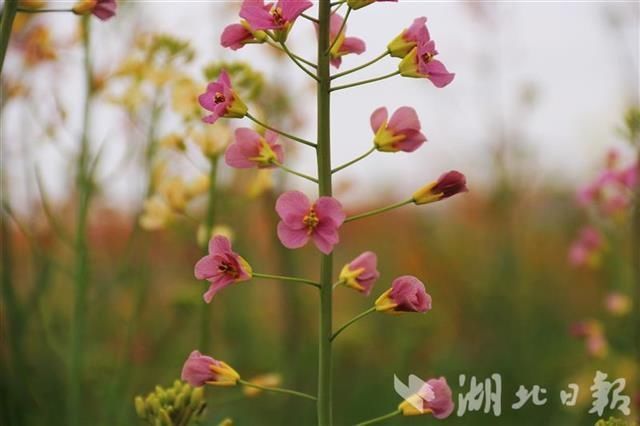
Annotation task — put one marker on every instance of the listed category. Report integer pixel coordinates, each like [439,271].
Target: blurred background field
[508,296]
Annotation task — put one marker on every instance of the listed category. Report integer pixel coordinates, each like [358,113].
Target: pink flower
[586,250]
[235,36]
[420,63]
[302,221]
[434,397]
[361,273]
[407,294]
[409,38]
[401,133]
[617,303]
[199,370]
[221,100]
[357,4]
[344,45]
[221,267]
[252,149]
[447,185]
[629,176]
[278,16]
[101,9]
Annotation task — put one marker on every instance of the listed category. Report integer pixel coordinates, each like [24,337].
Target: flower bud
[407,294]
[200,369]
[447,185]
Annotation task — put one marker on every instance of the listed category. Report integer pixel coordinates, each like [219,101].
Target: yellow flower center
[311,221]
[427,57]
[276,12]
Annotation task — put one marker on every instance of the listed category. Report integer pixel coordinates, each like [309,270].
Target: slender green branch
[46,208]
[285,278]
[351,321]
[355,160]
[76,358]
[310,18]
[279,390]
[295,61]
[360,83]
[293,172]
[340,4]
[380,419]
[337,3]
[286,135]
[26,10]
[8,15]
[358,68]
[340,31]
[301,59]
[380,210]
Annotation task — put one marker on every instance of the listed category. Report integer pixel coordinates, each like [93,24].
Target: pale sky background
[584,72]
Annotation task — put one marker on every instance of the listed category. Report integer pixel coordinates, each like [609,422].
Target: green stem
[325,189]
[352,320]
[301,59]
[205,312]
[358,68]
[342,27]
[25,10]
[286,135]
[360,83]
[285,278]
[279,390]
[336,3]
[355,160]
[380,210]
[380,419]
[293,172]
[8,15]
[81,271]
[295,61]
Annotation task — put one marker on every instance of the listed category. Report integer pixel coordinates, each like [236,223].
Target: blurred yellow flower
[212,139]
[173,141]
[261,183]
[268,380]
[158,170]
[184,98]
[175,192]
[38,46]
[156,214]
[198,186]
[226,422]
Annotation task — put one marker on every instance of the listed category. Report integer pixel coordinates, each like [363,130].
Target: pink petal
[291,9]
[417,31]
[336,61]
[105,9]
[234,36]
[277,149]
[290,237]
[235,157]
[442,405]
[353,45]
[292,206]
[330,208]
[224,79]
[438,74]
[335,22]
[205,268]
[404,118]
[378,118]
[322,243]
[412,141]
[196,369]
[257,15]
[219,245]
[211,118]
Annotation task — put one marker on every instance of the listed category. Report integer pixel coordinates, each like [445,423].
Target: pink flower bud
[199,370]
[447,185]
[361,273]
[407,294]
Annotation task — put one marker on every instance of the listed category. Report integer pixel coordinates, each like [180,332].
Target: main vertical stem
[324,181]
[81,270]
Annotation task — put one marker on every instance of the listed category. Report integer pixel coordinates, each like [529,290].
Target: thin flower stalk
[355,160]
[378,211]
[352,320]
[360,83]
[278,390]
[287,135]
[359,67]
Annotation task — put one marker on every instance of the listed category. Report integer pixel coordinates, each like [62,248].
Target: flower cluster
[319,220]
[178,404]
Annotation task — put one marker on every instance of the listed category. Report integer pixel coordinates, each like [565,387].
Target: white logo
[416,393]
